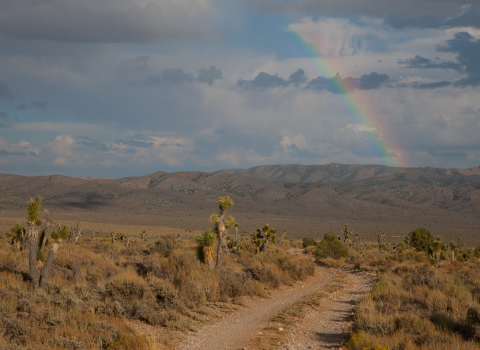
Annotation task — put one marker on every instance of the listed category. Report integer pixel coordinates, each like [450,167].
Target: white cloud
[336,36]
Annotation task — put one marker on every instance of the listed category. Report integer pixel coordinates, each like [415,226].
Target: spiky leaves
[224,203]
[205,249]
[34,207]
[207,239]
[62,233]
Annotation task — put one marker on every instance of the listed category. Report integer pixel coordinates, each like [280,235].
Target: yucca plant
[206,242]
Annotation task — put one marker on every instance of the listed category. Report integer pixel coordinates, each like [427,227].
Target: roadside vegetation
[427,294]
[60,289]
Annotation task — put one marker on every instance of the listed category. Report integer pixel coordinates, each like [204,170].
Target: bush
[307,242]
[331,247]
[421,239]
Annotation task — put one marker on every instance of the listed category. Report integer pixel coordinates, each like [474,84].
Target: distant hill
[363,175]
[304,200]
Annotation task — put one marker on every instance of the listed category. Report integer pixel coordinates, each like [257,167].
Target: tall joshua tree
[346,234]
[33,217]
[380,238]
[221,226]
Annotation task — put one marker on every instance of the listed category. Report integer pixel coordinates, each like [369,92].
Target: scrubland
[97,287]
[414,304]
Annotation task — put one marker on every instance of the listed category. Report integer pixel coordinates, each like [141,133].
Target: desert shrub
[165,245]
[358,341]
[131,342]
[331,247]
[421,239]
[307,242]
[126,286]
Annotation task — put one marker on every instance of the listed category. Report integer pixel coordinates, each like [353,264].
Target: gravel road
[236,330]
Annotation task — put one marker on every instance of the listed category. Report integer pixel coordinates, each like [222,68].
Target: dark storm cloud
[88,142]
[420,62]
[467,61]
[135,143]
[33,154]
[22,107]
[371,81]
[6,153]
[3,115]
[100,21]
[265,81]
[336,84]
[376,8]
[170,76]
[470,18]
[297,78]
[209,75]
[262,81]
[341,85]
[39,104]
[5,92]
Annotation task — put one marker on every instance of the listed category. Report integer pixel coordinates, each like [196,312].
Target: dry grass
[414,305]
[96,288]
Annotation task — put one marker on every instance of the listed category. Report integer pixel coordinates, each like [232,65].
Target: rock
[280,329]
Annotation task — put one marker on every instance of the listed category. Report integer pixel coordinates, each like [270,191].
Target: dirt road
[236,330]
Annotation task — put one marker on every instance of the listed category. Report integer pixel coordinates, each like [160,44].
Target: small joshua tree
[205,250]
[236,231]
[221,226]
[346,234]
[76,234]
[380,237]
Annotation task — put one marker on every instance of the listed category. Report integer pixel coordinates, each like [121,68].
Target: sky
[116,88]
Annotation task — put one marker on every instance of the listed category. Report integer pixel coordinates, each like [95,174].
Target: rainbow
[382,145]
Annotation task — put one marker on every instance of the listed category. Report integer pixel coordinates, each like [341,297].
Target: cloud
[88,142]
[135,143]
[5,92]
[3,115]
[39,104]
[375,8]
[209,75]
[5,153]
[372,81]
[264,81]
[105,21]
[340,85]
[468,18]
[332,37]
[467,61]
[420,62]
[170,76]
[336,84]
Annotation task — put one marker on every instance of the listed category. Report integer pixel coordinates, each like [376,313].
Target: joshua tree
[380,238]
[206,242]
[346,234]
[76,234]
[19,235]
[144,235]
[221,225]
[437,247]
[113,236]
[281,238]
[244,235]
[236,231]
[33,217]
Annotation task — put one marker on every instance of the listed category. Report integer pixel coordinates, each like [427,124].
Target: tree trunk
[32,256]
[452,257]
[281,239]
[45,236]
[437,259]
[236,234]
[263,248]
[208,252]
[48,265]
[221,233]
[23,235]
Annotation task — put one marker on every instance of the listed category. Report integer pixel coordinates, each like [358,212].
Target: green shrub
[307,242]
[421,239]
[331,247]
